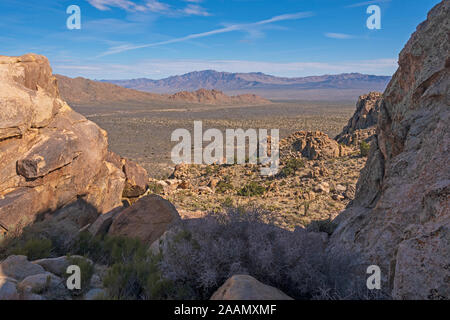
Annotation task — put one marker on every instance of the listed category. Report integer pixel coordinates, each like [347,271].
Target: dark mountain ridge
[266,85]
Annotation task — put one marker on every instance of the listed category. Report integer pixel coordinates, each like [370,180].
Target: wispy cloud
[230,28]
[195,10]
[341,36]
[157,69]
[154,6]
[366,3]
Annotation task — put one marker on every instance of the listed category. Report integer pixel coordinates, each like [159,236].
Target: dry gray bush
[205,252]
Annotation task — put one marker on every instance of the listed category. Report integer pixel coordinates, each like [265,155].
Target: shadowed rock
[400,218]
[147,219]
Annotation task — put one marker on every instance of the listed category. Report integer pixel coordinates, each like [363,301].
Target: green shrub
[223,186]
[155,188]
[364,149]
[228,202]
[34,249]
[291,166]
[252,189]
[109,250]
[87,270]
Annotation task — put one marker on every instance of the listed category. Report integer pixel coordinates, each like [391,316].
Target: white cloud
[230,28]
[367,3]
[195,10]
[338,35]
[154,6]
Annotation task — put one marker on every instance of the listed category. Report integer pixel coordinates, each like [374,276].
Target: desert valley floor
[141,132]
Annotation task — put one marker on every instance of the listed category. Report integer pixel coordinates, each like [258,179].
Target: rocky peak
[312,145]
[362,125]
[216,97]
[400,219]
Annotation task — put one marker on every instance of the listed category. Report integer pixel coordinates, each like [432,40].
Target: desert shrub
[221,245]
[252,189]
[155,188]
[364,149]
[228,202]
[109,250]
[224,185]
[306,205]
[291,166]
[43,239]
[133,272]
[86,269]
[35,249]
[327,226]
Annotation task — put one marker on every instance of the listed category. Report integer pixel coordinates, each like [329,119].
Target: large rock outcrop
[147,219]
[311,145]
[400,219]
[362,125]
[50,155]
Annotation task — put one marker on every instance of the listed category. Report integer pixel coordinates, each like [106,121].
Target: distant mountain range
[327,87]
[81,91]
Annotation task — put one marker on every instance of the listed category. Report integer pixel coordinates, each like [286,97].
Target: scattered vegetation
[224,186]
[364,149]
[212,249]
[291,166]
[155,188]
[252,189]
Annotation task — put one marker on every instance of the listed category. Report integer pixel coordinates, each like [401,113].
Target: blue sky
[121,39]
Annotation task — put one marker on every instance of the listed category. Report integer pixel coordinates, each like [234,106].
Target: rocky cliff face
[362,125]
[50,155]
[400,219]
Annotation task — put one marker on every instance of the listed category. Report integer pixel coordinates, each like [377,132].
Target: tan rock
[147,219]
[312,145]
[362,125]
[51,156]
[244,287]
[136,179]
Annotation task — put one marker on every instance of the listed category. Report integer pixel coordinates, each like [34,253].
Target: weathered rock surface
[57,265]
[147,219]
[136,177]
[400,219]
[362,125]
[8,289]
[40,282]
[103,223]
[51,155]
[244,287]
[311,145]
[18,267]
